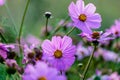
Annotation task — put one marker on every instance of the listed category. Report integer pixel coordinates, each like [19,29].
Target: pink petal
[56,40]
[66,43]
[72,10]
[89,9]
[80,6]
[47,47]
[94,21]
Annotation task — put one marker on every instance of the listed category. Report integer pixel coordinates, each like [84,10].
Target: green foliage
[3,73]
[9,31]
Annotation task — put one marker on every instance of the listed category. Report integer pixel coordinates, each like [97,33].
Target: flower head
[3,51]
[98,36]
[59,52]
[115,29]
[82,51]
[31,54]
[41,71]
[84,17]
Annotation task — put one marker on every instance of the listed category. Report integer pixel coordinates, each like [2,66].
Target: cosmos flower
[2,2]
[84,17]
[98,36]
[11,63]
[110,56]
[115,29]
[41,71]
[31,38]
[3,51]
[114,76]
[31,54]
[59,52]
[82,51]
[12,66]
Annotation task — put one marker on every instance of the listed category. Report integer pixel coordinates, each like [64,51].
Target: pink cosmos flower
[11,63]
[41,71]
[2,2]
[115,76]
[31,54]
[115,29]
[98,36]
[110,56]
[106,54]
[82,51]
[84,17]
[3,51]
[59,52]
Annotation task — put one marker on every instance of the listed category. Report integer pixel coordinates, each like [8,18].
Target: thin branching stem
[88,64]
[23,18]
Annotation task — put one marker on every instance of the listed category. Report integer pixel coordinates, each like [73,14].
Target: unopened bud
[48,14]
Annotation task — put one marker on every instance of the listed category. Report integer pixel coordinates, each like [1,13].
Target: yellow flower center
[95,35]
[58,54]
[82,17]
[42,78]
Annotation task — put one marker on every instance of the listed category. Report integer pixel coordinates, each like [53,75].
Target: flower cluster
[63,56]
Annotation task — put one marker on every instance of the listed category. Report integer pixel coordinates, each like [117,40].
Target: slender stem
[23,18]
[70,31]
[2,36]
[46,27]
[58,27]
[88,64]
[9,13]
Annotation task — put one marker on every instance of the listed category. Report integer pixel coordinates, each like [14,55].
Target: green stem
[70,31]
[23,18]
[88,64]
[9,13]
[58,27]
[46,27]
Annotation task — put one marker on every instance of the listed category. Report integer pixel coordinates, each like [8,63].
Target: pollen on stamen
[82,17]
[96,35]
[42,78]
[58,54]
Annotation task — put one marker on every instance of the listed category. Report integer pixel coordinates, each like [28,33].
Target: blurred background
[109,10]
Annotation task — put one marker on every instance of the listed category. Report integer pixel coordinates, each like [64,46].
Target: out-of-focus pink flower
[11,63]
[115,29]
[2,2]
[59,52]
[41,71]
[30,39]
[84,17]
[110,56]
[114,76]
[65,23]
[4,49]
[31,54]
[82,51]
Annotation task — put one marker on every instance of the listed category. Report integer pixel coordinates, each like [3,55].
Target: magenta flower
[59,52]
[41,71]
[11,63]
[82,51]
[115,29]
[2,2]
[31,54]
[3,51]
[115,76]
[84,17]
[110,56]
[98,36]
